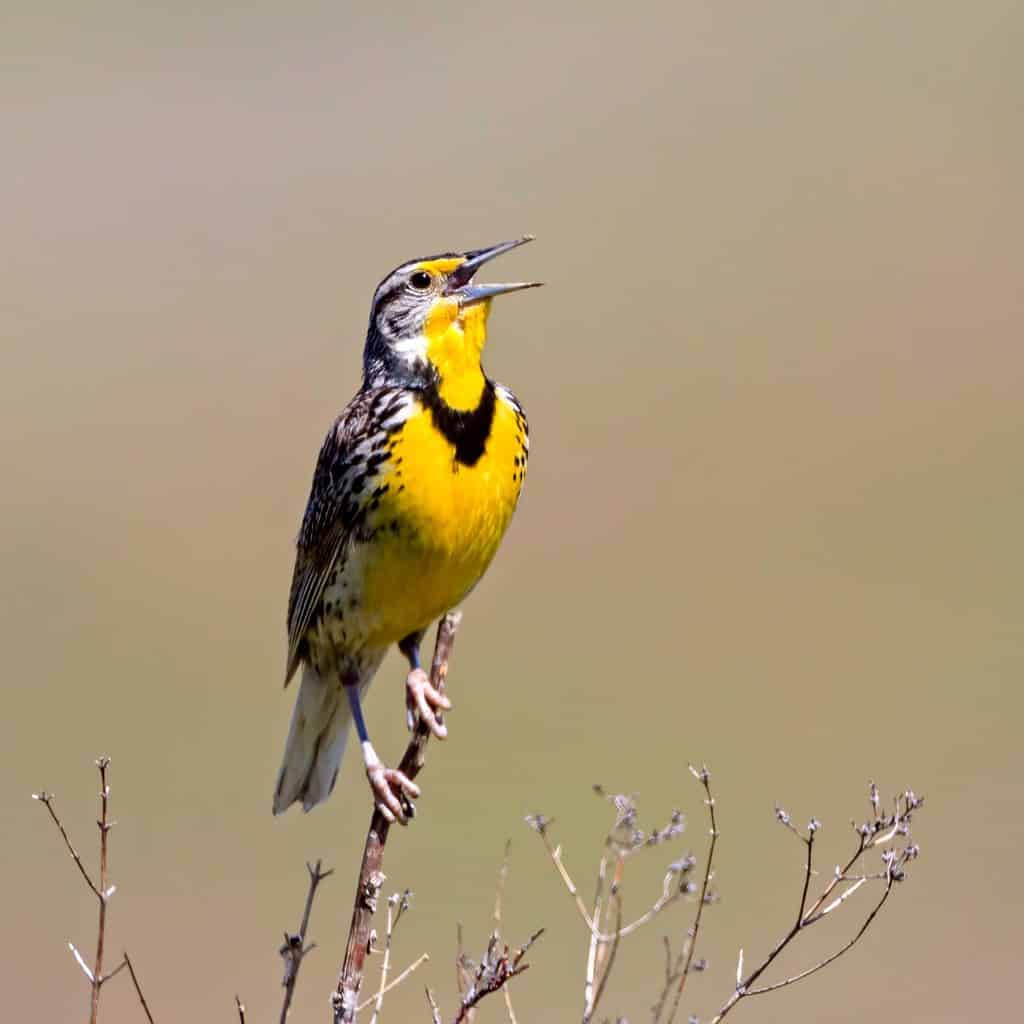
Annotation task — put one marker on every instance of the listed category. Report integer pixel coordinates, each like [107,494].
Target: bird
[413,490]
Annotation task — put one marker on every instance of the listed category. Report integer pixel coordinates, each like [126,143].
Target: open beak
[469,294]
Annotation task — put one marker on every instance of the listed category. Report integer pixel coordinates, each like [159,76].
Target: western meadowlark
[414,488]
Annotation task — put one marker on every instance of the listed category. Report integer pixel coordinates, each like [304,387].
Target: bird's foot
[426,701]
[393,791]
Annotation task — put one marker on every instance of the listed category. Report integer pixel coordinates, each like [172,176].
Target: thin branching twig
[138,987]
[102,891]
[496,968]
[435,1012]
[294,948]
[689,946]
[872,835]
[499,899]
[395,982]
[398,904]
[624,841]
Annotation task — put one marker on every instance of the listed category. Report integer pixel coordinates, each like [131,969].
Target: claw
[424,699]
[393,792]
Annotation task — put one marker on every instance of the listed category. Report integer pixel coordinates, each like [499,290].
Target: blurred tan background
[773,519]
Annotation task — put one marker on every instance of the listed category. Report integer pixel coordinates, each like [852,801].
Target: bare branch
[101,931]
[294,948]
[86,969]
[46,799]
[422,959]
[871,835]
[115,972]
[703,776]
[401,902]
[670,890]
[540,825]
[588,981]
[617,897]
[835,956]
[138,988]
[240,1006]
[371,876]
[496,968]
[102,891]
[462,974]
[499,897]
[435,1013]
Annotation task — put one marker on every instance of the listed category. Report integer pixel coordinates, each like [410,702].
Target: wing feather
[355,446]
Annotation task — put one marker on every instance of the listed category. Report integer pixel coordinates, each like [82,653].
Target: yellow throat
[455,345]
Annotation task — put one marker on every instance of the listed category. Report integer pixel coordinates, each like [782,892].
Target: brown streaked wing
[354,446]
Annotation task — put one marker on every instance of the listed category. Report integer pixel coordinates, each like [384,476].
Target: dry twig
[497,967]
[684,962]
[882,830]
[435,1012]
[294,948]
[623,841]
[102,891]
[418,962]
[499,899]
[626,839]
[398,904]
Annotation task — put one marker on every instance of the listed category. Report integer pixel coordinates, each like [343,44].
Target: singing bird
[413,490]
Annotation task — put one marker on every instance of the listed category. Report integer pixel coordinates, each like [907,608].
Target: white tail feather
[316,743]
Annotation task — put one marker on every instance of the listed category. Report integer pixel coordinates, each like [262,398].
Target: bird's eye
[421,280]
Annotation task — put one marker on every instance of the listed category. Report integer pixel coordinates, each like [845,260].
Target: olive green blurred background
[773,518]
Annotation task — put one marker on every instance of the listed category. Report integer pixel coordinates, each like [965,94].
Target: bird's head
[428,324]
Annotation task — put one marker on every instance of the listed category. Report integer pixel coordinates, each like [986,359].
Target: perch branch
[371,876]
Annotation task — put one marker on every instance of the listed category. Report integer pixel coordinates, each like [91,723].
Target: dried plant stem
[102,891]
[496,968]
[419,962]
[870,837]
[379,999]
[669,895]
[294,948]
[689,947]
[435,1012]
[588,980]
[46,799]
[371,876]
[499,899]
[398,904]
[138,988]
[613,949]
[101,930]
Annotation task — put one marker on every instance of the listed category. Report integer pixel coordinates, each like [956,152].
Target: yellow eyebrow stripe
[442,266]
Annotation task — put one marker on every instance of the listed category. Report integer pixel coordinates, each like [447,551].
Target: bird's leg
[393,791]
[420,695]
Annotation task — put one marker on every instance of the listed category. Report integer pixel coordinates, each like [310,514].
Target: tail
[315,745]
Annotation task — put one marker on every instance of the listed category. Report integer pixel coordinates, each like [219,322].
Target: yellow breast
[440,521]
